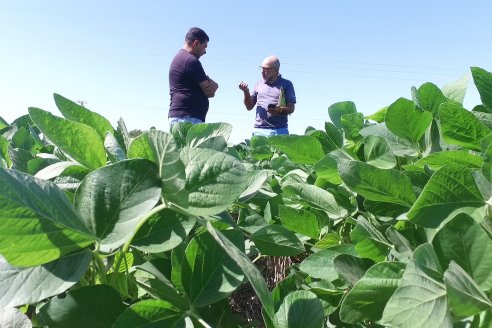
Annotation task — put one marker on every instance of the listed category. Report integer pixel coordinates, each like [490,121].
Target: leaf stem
[126,246]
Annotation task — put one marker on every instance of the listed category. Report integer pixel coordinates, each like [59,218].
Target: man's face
[199,49]
[269,73]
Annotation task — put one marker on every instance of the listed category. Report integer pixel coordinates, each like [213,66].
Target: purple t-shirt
[187,98]
[265,94]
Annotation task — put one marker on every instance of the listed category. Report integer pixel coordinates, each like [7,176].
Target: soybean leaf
[79,141]
[367,299]
[378,116]
[316,197]
[463,241]
[299,149]
[406,121]
[92,306]
[377,152]
[351,268]
[200,133]
[113,199]
[114,149]
[151,313]
[369,242]
[437,160]
[38,224]
[300,221]
[421,300]
[249,269]
[300,309]
[160,148]
[428,97]
[255,181]
[320,264]
[464,294]
[334,134]
[14,318]
[336,110]
[31,285]
[327,169]
[456,90]
[77,113]
[377,184]
[214,180]
[162,232]
[208,274]
[275,240]
[352,124]
[251,221]
[450,190]
[399,146]
[483,82]
[460,127]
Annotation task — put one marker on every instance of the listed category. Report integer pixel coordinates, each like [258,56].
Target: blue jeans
[269,132]
[174,120]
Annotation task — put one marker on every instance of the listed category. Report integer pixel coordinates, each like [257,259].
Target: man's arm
[248,102]
[209,87]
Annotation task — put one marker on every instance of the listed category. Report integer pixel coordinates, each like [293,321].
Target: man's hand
[244,87]
[275,110]
[209,87]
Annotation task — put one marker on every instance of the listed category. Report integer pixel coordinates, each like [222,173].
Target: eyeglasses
[266,68]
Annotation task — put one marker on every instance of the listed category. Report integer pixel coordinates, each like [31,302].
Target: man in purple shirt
[189,86]
[274,98]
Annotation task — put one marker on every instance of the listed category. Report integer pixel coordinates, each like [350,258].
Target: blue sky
[114,55]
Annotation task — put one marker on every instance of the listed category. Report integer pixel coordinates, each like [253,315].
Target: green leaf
[160,148]
[463,241]
[214,180]
[352,124]
[460,127]
[299,149]
[464,294]
[378,116]
[420,301]
[369,242]
[437,160]
[316,197]
[276,240]
[249,269]
[79,141]
[406,121]
[456,90]
[336,110]
[334,135]
[31,285]
[200,133]
[38,224]
[161,233]
[14,318]
[327,169]
[77,113]
[300,221]
[151,314]
[115,151]
[113,210]
[320,264]
[377,184]
[450,190]
[300,309]
[483,82]
[208,273]
[429,97]
[377,152]
[93,306]
[399,146]
[367,299]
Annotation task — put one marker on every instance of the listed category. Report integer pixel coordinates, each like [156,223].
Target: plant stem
[126,246]
[99,264]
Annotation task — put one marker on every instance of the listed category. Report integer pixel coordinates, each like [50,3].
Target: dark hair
[196,33]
